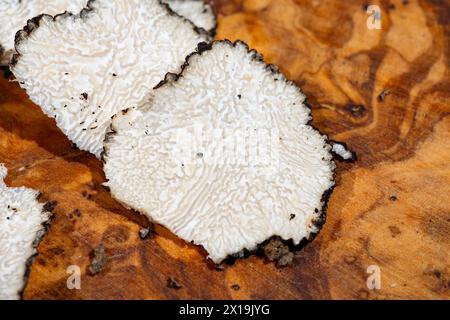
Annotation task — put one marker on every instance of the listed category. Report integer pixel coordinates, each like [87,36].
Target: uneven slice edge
[14,15]
[20,215]
[81,84]
[200,13]
[114,158]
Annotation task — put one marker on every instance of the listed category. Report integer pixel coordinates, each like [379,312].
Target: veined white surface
[14,15]
[83,70]
[226,204]
[200,13]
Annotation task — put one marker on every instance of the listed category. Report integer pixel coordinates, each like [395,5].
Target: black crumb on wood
[383,95]
[98,260]
[173,283]
[50,206]
[277,251]
[393,198]
[219,267]
[236,287]
[357,111]
[144,233]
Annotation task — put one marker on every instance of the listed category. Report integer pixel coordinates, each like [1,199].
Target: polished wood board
[390,209]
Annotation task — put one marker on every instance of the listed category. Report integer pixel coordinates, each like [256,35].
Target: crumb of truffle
[173,283]
[50,206]
[393,198]
[383,95]
[358,111]
[98,260]
[219,267]
[236,287]
[277,251]
[285,260]
[144,233]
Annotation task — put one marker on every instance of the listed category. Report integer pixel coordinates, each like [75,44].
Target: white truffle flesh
[199,12]
[14,15]
[223,155]
[83,69]
[22,225]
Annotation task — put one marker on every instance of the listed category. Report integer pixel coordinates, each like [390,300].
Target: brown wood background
[403,144]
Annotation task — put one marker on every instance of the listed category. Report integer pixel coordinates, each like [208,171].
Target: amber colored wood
[391,208]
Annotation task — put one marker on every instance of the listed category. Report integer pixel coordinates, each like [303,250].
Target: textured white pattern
[21,223]
[225,207]
[14,15]
[82,71]
[201,14]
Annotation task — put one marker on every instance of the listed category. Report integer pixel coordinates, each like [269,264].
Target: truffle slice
[223,155]
[14,14]
[22,225]
[199,12]
[84,69]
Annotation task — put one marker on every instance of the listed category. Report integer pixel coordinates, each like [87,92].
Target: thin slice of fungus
[199,12]
[22,225]
[223,155]
[14,15]
[82,69]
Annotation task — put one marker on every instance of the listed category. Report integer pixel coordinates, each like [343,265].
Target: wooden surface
[391,208]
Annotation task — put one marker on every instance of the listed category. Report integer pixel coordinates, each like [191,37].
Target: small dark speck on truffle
[173,283]
[239,96]
[85,95]
[292,216]
[114,75]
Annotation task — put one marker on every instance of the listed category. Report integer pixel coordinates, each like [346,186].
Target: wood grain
[391,208]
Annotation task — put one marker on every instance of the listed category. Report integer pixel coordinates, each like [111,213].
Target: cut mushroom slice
[14,14]
[199,12]
[83,69]
[22,225]
[223,155]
